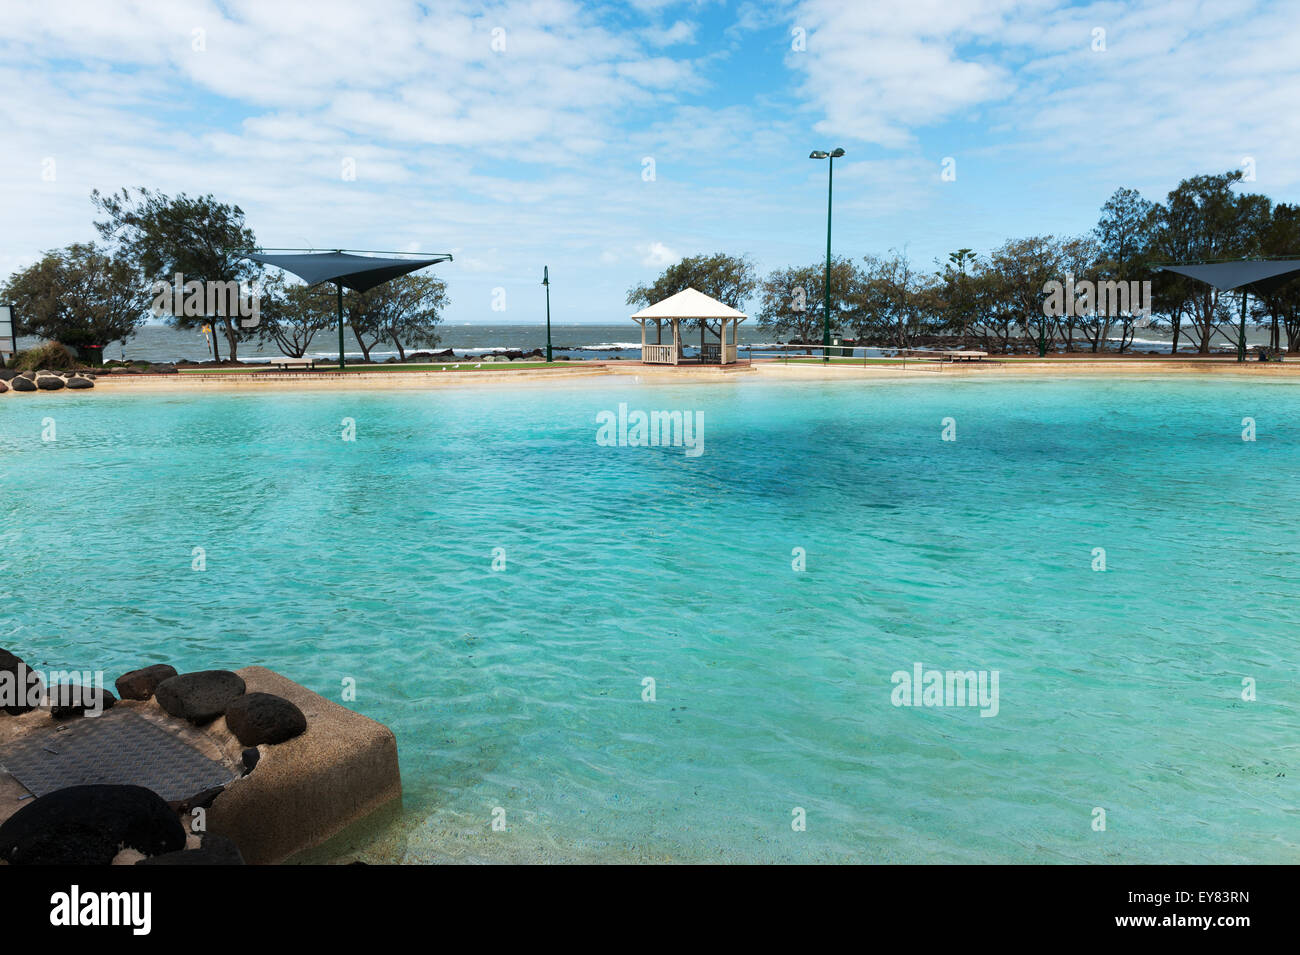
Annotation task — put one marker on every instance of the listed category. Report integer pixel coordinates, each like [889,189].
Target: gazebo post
[677,348]
[642,324]
[722,342]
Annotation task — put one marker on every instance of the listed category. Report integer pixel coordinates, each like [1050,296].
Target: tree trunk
[232,339]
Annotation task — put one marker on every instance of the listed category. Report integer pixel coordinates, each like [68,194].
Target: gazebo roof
[689,303]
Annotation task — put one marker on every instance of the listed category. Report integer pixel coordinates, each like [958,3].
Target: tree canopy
[198,238]
[80,296]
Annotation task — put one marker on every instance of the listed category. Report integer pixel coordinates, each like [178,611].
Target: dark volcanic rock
[3,387]
[7,374]
[50,382]
[68,700]
[264,718]
[215,850]
[23,384]
[203,800]
[20,691]
[199,697]
[250,757]
[77,382]
[89,825]
[140,684]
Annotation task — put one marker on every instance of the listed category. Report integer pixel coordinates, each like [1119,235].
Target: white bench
[285,363]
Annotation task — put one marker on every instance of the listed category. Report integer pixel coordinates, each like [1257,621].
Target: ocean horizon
[156,342]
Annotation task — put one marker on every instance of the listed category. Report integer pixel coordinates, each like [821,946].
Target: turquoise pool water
[522,689]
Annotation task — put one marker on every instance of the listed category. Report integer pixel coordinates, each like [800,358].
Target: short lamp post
[830,179]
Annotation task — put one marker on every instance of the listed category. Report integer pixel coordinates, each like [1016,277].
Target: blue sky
[516,134]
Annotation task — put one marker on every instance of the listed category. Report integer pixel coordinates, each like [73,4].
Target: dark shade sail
[357,272]
[360,273]
[1264,276]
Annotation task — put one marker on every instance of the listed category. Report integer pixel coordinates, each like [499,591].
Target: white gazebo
[690,305]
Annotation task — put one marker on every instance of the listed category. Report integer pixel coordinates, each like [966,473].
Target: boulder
[3,387]
[22,383]
[89,825]
[68,700]
[140,684]
[214,850]
[7,374]
[258,718]
[49,382]
[199,697]
[20,692]
[77,382]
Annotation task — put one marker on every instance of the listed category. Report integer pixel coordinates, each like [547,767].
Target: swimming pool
[501,586]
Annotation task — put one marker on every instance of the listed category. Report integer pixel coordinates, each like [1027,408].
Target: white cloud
[681,31]
[657,255]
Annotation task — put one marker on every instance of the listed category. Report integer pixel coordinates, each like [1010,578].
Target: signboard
[7,342]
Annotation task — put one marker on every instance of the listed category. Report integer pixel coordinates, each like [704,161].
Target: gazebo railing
[657,354]
[711,353]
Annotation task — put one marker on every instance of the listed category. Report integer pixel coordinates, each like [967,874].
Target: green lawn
[846,361]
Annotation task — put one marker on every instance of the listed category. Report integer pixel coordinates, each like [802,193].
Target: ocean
[636,653]
[162,343]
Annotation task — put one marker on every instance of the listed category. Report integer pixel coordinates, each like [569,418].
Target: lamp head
[839,151]
[818,154]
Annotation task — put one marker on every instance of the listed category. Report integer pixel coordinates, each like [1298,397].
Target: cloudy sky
[607,140]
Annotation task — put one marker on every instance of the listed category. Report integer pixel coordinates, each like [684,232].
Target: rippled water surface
[522,689]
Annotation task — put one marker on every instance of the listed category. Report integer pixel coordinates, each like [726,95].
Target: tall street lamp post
[830,179]
[546,280]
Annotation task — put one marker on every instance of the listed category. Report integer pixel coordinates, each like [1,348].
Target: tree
[1079,257]
[898,302]
[1123,235]
[1015,276]
[956,292]
[414,311]
[1281,239]
[792,301]
[402,312]
[1200,221]
[728,278]
[365,314]
[200,239]
[292,315]
[80,296]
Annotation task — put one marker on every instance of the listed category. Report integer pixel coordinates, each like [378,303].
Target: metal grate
[117,747]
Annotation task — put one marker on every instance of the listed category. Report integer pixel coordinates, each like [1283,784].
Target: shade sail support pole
[338,286]
[1241,329]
